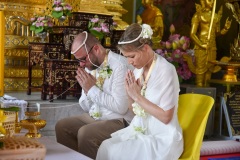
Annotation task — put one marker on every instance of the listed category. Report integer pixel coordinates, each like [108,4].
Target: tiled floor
[60,108]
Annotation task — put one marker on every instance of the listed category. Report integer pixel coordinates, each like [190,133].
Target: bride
[154,133]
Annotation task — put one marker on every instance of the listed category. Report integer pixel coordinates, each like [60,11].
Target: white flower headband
[145,33]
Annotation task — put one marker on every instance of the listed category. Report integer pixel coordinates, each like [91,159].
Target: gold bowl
[231,70]
[33,126]
[32,115]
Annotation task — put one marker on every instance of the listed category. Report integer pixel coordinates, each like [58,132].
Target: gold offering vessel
[231,70]
[33,126]
[32,122]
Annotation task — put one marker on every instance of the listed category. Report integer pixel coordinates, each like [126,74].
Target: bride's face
[137,58]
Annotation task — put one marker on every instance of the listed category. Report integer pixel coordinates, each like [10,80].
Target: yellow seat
[193,111]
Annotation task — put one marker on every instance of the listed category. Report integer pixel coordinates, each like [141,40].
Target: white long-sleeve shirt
[112,99]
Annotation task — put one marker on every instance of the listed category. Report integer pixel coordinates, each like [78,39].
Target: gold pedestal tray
[228,84]
[231,70]
[33,126]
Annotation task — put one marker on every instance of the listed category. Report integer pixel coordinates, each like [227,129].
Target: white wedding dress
[160,141]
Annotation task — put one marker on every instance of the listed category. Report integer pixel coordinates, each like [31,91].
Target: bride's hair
[133,38]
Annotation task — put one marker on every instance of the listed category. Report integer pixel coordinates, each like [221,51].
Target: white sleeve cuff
[93,92]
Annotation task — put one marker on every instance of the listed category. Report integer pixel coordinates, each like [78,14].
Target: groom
[104,98]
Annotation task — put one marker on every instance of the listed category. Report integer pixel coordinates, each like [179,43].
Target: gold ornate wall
[111,7]
[17,35]
[115,8]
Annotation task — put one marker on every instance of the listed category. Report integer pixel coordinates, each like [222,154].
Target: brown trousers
[84,134]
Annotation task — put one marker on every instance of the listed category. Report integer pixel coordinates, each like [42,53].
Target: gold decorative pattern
[29,2]
[115,8]
[16,52]
[19,84]
[233,5]
[21,8]
[75,4]
[17,36]
[18,26]
[18,41]
[22,73]
[92,6]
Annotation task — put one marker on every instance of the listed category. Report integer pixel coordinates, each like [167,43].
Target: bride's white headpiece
[146,32]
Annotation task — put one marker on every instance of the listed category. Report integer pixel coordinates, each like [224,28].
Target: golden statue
[233,5]
[205,26]
[153,16]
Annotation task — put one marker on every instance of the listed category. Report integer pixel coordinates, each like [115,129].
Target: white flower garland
[139,124]
[94,112]
[104,73]
[140,114]
[138,110]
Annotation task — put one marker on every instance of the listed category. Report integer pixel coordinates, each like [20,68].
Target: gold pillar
[2,44]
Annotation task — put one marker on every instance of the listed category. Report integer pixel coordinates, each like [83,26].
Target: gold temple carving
[115,8]
[18,35]
[92,6]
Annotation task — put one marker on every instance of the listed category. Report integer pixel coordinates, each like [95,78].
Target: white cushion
[219,147]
